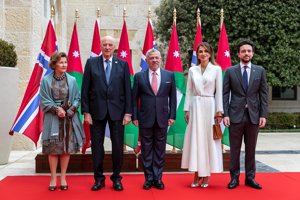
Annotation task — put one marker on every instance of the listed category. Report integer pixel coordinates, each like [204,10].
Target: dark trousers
[117,141]
[236,133]
[153,148]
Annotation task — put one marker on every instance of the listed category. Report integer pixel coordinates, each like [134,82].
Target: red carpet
[276,186]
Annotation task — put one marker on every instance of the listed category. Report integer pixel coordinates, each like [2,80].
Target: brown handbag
[217,132]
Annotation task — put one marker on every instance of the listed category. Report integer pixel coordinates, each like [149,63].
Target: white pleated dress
[201,153]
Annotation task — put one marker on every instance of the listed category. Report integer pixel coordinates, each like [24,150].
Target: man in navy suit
[106,97]
[245,98]
[154,109]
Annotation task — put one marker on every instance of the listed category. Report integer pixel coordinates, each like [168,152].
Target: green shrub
[283,121]
[8,55]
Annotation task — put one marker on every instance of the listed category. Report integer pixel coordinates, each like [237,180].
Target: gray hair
[151,51]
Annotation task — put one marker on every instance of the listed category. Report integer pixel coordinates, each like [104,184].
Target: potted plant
[9,96]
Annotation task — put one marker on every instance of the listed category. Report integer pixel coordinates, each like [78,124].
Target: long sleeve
[226,93]
[219,91]
[85,88]
[263,95]
[188,93]
[46,102]
[173,99]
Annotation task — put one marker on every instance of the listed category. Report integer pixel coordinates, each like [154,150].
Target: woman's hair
[56,58]
[210,50]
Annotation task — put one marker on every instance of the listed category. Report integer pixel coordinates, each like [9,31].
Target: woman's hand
[187,116]
[60,112]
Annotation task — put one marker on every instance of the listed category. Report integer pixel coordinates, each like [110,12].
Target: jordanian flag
[74,60]
[224,60]
[176,132]
[130,131]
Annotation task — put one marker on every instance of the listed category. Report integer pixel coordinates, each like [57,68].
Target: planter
[8,107]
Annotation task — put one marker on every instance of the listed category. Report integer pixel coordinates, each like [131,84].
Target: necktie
[107,70]
[154,83]
[245,78]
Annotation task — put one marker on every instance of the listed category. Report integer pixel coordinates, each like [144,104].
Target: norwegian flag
[198,40]
[124,49]
[29,119]
[95,51]
[149,43]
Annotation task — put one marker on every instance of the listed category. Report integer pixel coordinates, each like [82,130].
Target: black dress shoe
[64,187]
[117,185]
[233,183]
[253,183]
[98,185]
[159,184]
[52,188]
[147,185]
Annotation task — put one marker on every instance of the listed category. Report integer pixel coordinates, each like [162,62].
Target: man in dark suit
[106,97]
[154,109]
[245,98]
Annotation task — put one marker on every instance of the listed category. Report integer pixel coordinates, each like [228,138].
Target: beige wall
[24,22]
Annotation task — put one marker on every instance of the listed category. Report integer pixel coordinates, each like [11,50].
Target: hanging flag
[149,43]
[29,119]
[173,63]
[224,60]
[95,51]
[96,44]
[130,131]
[198,40]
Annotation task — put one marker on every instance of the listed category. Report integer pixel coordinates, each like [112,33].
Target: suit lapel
[147,81]
[238,73]
[252,75]
[113,69]
[162,80]
[101,69]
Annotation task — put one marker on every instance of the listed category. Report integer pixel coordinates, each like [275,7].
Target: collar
[242,65]
[157,71]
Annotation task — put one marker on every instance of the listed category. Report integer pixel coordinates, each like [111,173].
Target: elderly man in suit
[106,97]
[154,109]
[245,98]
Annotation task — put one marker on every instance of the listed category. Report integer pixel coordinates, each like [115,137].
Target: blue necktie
[107,70]
[245,78]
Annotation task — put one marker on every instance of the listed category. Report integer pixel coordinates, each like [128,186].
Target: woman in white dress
[203,107]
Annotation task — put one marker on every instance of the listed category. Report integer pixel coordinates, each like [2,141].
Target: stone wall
[24,22]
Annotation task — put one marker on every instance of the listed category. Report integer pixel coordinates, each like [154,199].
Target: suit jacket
[235,98]
[147,107]
[99,97]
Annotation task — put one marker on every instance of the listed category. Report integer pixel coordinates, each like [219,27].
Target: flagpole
[52,15]
[76,15]
[198,17]
[221,17]
[98,13]
[174,23]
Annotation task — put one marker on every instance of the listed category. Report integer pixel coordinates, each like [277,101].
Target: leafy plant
[272,25]
[8,55]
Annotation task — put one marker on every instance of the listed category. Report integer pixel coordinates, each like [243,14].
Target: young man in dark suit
[154,105]
[245,98]
[106,97]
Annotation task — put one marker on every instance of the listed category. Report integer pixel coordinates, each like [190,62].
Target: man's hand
[171,122]
[187,116]
[126,119]
[135,122]
[226,121]
[262,122]
[88,118]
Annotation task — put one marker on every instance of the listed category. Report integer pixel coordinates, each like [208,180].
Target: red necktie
[154,83]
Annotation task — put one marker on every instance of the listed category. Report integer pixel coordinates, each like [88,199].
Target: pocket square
[168,82]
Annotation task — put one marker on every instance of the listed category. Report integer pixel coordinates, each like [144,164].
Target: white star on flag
[176,54]
[227,54]
[123,54]
[76,54]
